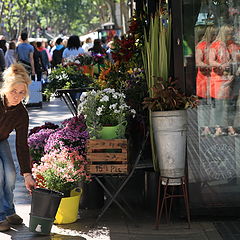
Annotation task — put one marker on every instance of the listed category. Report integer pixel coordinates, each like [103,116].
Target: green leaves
[167,98]
[157,50]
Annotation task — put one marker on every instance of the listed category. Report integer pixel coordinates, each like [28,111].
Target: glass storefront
[211,46]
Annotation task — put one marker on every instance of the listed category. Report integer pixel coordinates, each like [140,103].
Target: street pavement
[113,225]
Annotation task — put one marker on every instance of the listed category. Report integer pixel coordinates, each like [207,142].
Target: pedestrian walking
[25,53]
[57,53]
[13,116]
[10,55]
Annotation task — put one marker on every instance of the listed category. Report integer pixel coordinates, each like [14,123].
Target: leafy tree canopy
[57,16]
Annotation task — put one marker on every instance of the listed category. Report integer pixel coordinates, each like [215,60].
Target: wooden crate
[107,156]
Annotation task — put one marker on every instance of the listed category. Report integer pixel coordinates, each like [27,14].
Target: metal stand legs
[166,195]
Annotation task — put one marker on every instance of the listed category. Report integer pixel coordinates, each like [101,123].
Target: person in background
[14,116]
[73,47]
[97,47]
[221,80]
[43,52]
[10,55]
[203,78]
[87,45]
[99,54]
[2,63]
[38,62]
[57,53]
[3,45]
[45,46]
[24,52]
[104,43]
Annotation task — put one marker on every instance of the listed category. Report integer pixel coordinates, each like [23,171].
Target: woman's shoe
[14,219]
[232,131]
[4,226]
[219,132]
[206,132]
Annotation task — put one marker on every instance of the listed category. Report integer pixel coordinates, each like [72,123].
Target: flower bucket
[68,208]
[40,225]
[45,202]
[170,129]
[112,132]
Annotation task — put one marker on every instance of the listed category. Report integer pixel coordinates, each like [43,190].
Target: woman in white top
[73,47]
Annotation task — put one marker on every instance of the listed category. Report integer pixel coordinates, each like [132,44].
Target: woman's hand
[29,181]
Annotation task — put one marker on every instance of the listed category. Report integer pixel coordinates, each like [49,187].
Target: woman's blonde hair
[15,74]
[223,31]
[210,34]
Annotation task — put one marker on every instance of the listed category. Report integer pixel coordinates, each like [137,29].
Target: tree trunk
[124,16]
[111,4]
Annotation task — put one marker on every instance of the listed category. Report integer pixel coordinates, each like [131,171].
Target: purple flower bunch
[71,136]
[36,143]
[38,140]
[47,125]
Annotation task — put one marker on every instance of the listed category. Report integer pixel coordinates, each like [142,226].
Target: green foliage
[62,16]
[67,77]
[167,98]
[104,108]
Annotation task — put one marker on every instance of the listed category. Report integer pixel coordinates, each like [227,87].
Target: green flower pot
[112,132]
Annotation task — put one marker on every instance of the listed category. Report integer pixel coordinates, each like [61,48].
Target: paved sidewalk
[113,226]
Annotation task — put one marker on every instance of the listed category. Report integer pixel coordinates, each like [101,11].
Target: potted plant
[62,171]
[167,106]
[63,164]
[67,76]
[104,109]
[37,139]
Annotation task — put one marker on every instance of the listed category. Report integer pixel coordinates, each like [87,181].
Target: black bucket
[40,225]
[45,202]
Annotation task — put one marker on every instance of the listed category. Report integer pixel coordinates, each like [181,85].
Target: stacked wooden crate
[107,156]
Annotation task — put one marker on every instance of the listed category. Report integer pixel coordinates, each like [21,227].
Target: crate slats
[95,144]
[107,156]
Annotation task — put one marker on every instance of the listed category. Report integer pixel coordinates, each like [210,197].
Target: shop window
[211,47]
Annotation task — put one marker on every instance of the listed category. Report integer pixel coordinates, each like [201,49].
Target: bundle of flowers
[36,142]
[68,76]
[61,171]
[98,58]
[47,125]
[112,75]
[104,108]
[124,50]
[72,136]
[80,60]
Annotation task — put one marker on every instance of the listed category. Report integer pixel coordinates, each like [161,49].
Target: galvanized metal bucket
[169,129]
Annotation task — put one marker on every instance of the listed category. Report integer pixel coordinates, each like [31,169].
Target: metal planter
[169,129]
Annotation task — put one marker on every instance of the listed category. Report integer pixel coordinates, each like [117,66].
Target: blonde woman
[221,79]
[13,116]
[203,78]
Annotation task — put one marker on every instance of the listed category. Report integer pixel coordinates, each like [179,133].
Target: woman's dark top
[11,118]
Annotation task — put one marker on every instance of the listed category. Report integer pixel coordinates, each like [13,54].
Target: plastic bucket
[40,225]
[45,202]
[68,208]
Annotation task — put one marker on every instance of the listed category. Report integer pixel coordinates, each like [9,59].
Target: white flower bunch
[104,108]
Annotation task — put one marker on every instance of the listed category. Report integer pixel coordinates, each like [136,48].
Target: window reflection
[214,131]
